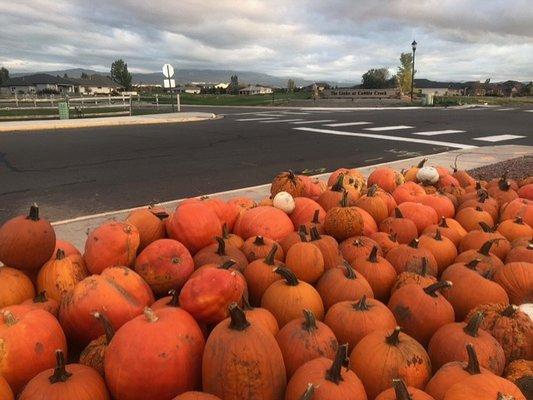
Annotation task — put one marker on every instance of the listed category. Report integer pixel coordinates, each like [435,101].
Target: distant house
[96,84]
[191,89]
[251,90]
[320,87]
[222,85]
[425,86]
[37,84]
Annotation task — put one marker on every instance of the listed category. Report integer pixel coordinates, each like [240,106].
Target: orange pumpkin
[369,224]
[306,261]
[520,254]
[258,247]
[171,361]
[305,211]
[288,182]
[423,216]
[514,229]
[29,338]
[520,372]
[518,208]
[442,249]
[218,253]
[411,258]
[67,247]
[352,173]
[503,191]
[329,248]
[332,196]
[5,391]
[385,241]
[27,242]
[343,221]
[421,278]
[373,204]
[517,280]
[266,221]
[118,291]
[15,287]
[231,239]
[484,387]
[43,302]
[232,347]
[400,391]
[150,222]
[357,246]
[260,317]
[196,396]
[94,354]
[382,356]
[260,274]
[475,239]
[404,229]
[409,191]
[442,205]
[410,174]
[110,245]
[446,230]
[379,273]
[74,381]
[386,178]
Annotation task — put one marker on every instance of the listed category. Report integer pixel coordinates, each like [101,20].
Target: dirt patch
[517,168]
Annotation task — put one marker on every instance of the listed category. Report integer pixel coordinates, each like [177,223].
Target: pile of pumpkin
[403,286]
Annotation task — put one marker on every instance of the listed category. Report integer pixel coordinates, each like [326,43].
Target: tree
[84,75]
[291,85]
[65,76]
[120,74]
[4,75]
[234,84]
[405,72]
[375,78]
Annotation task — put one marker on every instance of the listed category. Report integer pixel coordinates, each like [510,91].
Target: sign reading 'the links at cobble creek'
[361,93]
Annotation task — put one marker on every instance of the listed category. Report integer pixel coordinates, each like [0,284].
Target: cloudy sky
[313,39]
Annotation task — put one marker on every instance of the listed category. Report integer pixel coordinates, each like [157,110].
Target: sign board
[361,93]
[63,110]
[169,83]
[168,71]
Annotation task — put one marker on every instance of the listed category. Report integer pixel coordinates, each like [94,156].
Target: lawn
[458,100]
[227,99]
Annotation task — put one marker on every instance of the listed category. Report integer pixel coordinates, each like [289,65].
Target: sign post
[168,82]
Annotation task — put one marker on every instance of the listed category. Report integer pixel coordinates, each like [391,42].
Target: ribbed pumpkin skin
[219,253]
[263,319]
[196,396]
[448,375]
[484,387]
[251,356]
[29,345]
[5,391]
[305,210]
[26,242]
[84,384]
[386,178]
[376,362]
[517,280]
[15,287]
[416,394]
[60,275]
[406,258]
[149,225]
[119,292]
[379,273]
[258,247]
[265,221]
[303,340]
[110,245]
[170,348]
[404,229]
[306,261]
[423,216]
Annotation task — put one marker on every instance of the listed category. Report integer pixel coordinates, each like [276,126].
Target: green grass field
[458,100]
[228,100]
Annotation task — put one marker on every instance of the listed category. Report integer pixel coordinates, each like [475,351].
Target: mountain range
[193,75]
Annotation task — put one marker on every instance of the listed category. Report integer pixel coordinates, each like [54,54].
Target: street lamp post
[413,45]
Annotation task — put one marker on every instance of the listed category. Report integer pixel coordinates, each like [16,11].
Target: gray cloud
[314,39]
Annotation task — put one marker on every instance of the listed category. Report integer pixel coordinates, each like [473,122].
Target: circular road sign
[168,71]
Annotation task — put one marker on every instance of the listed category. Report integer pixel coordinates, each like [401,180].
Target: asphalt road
[70,173]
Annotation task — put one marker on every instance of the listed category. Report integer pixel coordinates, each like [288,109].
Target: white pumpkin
[284,201]
[427,175]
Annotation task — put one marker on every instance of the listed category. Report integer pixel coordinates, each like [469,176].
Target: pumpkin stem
[174,298]
[361,305]
[303,237]
[315,219]
[393,237]
[225,231]
[227,264]
[503,183]
[394,338]
[106,324]
[473,325]
[455,168]
[221,250]
[371,192]
[483,195]
[473,264]
[438,236]
[509,311]
[162,215]
[60,372]
[485,248]
[443,223]
[425,268]
[288,275]
[485,227]
[373,256]
[9,318]
[401,390]
[344,200]
[349,271]
[315,235]
[431,289]
[339,185]
[246,303]
[310,321]
[150,315]
[334,373]
[302,228]
[398,213]
[502,396]
[34,212]
[60,254]
[238,321]
[309,392]
[291,175]
[414,243]
[259,241]
[519,220]
[41,297]
[473,364]
[270,258]
[422,162]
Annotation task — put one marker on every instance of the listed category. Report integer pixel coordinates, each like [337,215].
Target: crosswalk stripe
[350,123]
[387,137]
[254,119]
[528,110]
[388,128]
[433,133]
[505,109]
[281,120]
[294,113]
[498,138]
[316,121]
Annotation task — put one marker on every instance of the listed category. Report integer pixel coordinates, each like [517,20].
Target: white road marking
[388,128]
[316,121]
[350,123]
[528,110]
[498,138]
[254,119]
[505,109]
[433,133]
[294,113]
[386,137]
[281,120]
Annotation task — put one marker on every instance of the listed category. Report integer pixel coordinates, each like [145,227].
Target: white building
[37,83]
[222,85]
[96,84]
[251,90]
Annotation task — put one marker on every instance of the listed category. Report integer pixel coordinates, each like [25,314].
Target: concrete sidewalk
[76,230]
[20,126]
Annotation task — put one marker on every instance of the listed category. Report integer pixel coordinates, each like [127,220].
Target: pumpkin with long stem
[342,283]
[410,258]
[476,238]
[358,246]
[260,274]
[441,248]
[351,321]
[305,339]
[306,261]
[94,354]
[325,379]
[385,241]
[43,302]
[422,278]
[400,391]
[382,356]
[404,229]
[288,182]
[232,347]
[287,298]
[421,311]
[343,221]
[448,228]
[379,273]
[258,247]
[331,197]
[328,246]
[450,340]
[487,260]
[471,217]
[73,381]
